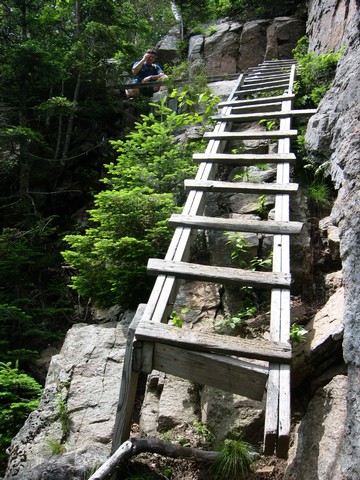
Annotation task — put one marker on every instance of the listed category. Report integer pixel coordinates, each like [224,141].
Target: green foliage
[252,9]
[56,447]
[130,217]
[297,333]
[33,298]
[63,414]
[316,74]
[176,319]
[237,324]
[19,396]
[270,124]
[319,194]
[234,460]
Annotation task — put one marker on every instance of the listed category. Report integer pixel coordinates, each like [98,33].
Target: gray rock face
[318,439]
[334,134]
[85,378]
[234,47]
[329,23]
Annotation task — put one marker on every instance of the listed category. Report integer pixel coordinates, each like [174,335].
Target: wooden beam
[160,333]
[222,372]
[270,227]
[240,187]
[250,91]
[250,117]
[254,101]
[244,158]
[251,134]
[206,273]
[128,387]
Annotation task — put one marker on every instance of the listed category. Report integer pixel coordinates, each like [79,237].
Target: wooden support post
[129,382]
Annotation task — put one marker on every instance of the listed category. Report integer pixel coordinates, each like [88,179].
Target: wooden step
[244,158]
[219,371]
[270,76]
[249,117]
[251,134]
[213,343]
[254,101]
[266,83]
[240,187]
[250,91]
[257,108]
[270,227]
[206,273]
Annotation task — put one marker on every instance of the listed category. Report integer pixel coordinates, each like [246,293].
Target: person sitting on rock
[145,70]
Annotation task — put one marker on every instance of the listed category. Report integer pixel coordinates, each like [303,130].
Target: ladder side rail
[165,287]
[277,417]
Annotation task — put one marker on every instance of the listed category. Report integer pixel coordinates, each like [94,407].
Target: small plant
[167,471]
[234,460]
[56,447]
[319,194]
[63,414]
[175,318]
[203,431]
[237,323]
[263,206]
[297,333]
[240,247]
[270,124]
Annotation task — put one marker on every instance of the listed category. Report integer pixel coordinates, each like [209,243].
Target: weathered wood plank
[249,91]
[243,158]
[283,441]
[249,117]
[259,77]
[249,84]
[272,410]
[250,134]
[213,343]
[240,187]
[206,273]
[226,373]
[128,387]
[254,101]
[236,224]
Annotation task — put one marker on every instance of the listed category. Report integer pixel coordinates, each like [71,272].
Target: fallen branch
[135,446]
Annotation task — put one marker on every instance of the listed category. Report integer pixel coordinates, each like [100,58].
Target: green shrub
[234,460]
[316,74]
[19,396]
[129,221]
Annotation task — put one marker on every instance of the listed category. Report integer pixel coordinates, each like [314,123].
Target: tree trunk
[71,121]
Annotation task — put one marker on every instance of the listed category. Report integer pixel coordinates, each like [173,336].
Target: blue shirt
[146,71]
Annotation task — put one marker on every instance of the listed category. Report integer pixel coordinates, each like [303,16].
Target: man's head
[150,56]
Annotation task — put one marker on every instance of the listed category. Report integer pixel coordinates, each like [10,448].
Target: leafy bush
[316,74]
[129,220]
[19,395]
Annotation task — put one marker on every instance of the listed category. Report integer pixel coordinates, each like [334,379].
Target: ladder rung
[259,116]
[270,227]
[206,273]
[248,91]
[241,187]
[271,76]
[252,101]
[244,158]
[250,134]
[214,343]
[265,83]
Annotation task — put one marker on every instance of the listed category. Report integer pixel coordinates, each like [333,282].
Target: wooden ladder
[226,362]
